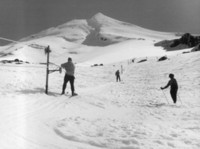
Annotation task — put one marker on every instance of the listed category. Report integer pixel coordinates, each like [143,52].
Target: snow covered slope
[100,30]
[133,114]
[88,39]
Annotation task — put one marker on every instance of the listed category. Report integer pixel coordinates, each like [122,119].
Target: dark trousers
[71,80]
[118,78]
[173,93]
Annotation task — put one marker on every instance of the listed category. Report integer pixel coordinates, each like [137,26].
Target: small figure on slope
[174,87]
[117,74]
[69,75]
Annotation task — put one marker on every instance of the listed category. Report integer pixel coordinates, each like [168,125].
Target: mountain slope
[133,114]
[86,39]
[109,29]
[102,29]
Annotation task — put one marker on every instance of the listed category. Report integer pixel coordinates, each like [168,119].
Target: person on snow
[69,75]
[174,87]
[117,74]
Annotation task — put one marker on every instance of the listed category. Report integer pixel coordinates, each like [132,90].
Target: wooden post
[47,51]
[122,69]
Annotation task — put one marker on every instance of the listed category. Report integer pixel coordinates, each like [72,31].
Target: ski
[73,95]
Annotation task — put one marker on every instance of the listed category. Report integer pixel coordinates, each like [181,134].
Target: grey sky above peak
[21,18]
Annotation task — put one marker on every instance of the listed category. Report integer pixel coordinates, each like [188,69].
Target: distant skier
[117,74]
[174,87]
[69,75]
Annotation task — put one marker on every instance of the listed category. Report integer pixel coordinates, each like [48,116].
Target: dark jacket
[117,73]
[172,83]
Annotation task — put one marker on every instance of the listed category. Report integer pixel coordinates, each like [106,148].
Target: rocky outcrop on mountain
[186,41]
[16,61]
[162,58]
[197,48]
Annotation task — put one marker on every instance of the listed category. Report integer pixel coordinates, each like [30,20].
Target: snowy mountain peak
[82,39]
[103,20]
[101,17]
[99,30]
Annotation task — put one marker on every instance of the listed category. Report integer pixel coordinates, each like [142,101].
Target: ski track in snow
[132,114]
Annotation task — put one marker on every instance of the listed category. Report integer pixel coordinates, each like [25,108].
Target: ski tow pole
[165,97]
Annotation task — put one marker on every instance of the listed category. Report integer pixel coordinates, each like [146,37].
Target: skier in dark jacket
[69,75]
[117,74]
[174,87]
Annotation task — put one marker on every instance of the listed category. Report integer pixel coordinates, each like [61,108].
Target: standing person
[174,87]
[117,74]
[69,75]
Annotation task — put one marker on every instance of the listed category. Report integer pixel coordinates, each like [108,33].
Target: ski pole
[165,97]
[179,99]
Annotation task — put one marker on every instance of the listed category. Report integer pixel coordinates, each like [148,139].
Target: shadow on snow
[37,91]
